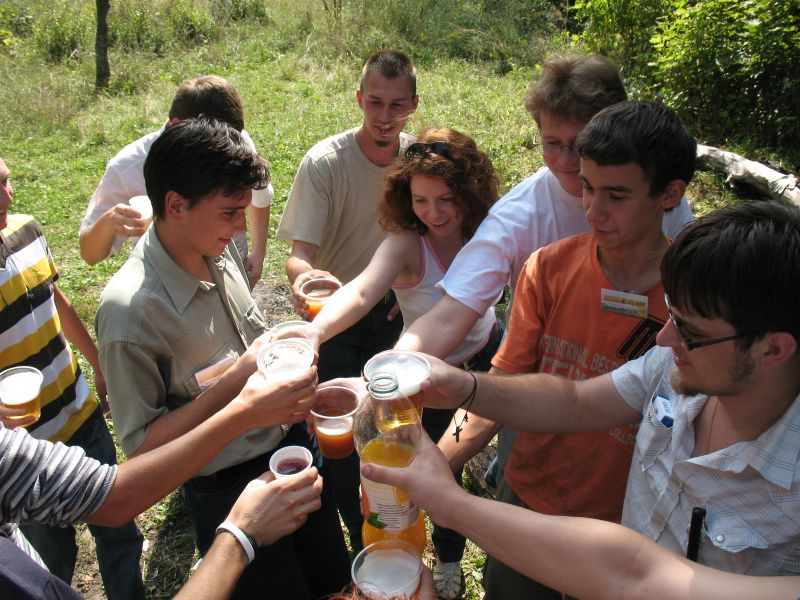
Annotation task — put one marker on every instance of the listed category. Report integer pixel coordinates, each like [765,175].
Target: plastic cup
[19,389]
[387,569]
[317,291]
[285,325]
[334,407]
[410,369]
[290,460]
[143,206]
[284,359]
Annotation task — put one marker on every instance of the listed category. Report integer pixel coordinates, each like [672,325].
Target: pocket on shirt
[191,384]
[652,440]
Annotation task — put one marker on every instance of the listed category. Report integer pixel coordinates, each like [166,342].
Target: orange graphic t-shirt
[559,325]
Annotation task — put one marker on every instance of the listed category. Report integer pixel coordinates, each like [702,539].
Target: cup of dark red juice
[290,460]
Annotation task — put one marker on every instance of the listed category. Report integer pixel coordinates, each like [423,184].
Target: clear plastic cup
[286,325]
[334,407]
[19,389]
[284,359]
[387,570]
[290,460]
[143,206]
[317,291]
[410,369]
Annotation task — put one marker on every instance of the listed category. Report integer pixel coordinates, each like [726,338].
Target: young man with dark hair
[110,220]
[177,330]
[717,403]
[587,304]
[37,323]
[332,222]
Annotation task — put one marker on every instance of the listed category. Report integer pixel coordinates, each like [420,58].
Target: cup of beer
[284,359]
[284,325]
[410,369]
[290,460]
[387,569]
[334,407]
[19,389]
[317,291]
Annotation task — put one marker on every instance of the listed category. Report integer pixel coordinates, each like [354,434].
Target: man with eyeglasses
[331,220]
[717,403]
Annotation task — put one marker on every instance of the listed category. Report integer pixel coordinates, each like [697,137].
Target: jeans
[309,563]
[118,548]
[344,355]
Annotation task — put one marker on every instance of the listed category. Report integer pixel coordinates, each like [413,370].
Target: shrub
[190,22]
[133,26]
[732,67]
[240,10]
[63,28]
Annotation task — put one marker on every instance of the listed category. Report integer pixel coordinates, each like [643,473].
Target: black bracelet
[468,402]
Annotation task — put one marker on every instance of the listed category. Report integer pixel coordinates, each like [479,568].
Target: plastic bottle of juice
[387,430]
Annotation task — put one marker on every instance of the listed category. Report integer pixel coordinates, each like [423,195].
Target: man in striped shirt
[36,320]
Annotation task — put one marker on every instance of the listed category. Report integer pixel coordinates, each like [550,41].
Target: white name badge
[623,303]
[211,374]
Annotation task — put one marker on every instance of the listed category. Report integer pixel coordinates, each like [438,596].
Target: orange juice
[388,512]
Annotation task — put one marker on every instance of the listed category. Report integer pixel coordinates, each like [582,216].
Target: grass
[57,135]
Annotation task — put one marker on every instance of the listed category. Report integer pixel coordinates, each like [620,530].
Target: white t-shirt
[124,179]
[536,212]
[333,204]
[418,298]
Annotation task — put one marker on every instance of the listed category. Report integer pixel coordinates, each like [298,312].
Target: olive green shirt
[158,326]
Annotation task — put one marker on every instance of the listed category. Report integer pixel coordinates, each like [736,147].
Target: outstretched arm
[532,402]
[354,300]
[439,331]
[267,510]
[613,561]
[149,476]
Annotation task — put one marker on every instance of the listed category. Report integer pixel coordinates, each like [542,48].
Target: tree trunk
[103,72]
[768,182]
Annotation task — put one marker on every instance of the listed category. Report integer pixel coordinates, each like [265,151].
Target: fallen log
[740,170]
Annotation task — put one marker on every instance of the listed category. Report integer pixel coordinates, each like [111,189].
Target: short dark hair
[740,264]
[209,96]
[648,134]
[197,157]
[574,87]
[390,64]
[467,171]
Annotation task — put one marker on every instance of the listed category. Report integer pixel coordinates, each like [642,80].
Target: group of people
[647,363]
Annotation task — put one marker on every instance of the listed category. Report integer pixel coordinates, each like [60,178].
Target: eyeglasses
[422,148]
[552,149]
[687,339]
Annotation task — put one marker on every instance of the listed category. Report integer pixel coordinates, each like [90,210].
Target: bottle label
[386,506]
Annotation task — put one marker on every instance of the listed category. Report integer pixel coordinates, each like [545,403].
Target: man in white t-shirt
[544,208]
[110,220]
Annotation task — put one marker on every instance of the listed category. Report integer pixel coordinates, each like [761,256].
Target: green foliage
[240,10]
[730,67]
[190,22]
[63,28]
[505,32]
[619,28]
[133,26]
[733,67]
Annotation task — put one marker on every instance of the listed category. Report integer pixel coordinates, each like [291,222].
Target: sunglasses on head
[422,148]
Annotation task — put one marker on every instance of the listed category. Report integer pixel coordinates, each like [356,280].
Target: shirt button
[720,538]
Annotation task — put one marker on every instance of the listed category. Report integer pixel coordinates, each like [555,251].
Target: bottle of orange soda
[387,430]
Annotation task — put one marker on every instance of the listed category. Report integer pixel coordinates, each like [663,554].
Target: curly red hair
[467,171]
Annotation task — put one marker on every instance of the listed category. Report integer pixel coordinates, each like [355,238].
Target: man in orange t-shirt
[587,304]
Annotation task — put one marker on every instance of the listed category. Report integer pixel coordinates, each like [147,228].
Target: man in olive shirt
[174,328]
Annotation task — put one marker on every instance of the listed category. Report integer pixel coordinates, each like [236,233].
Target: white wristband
[243,539]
